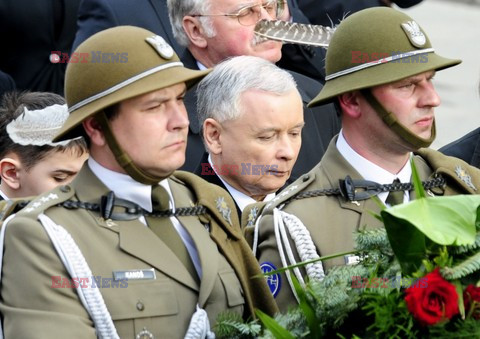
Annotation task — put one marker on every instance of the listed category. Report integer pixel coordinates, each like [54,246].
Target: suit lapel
[134,237]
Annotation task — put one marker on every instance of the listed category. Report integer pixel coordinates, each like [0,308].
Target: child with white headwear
[30,163]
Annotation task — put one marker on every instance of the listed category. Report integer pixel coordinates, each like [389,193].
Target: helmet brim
[380,74]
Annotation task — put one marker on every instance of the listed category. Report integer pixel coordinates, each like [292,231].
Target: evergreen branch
[468,266]
[231,325]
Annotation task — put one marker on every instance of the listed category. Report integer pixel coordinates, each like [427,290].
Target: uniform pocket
[141,299]
[233,288]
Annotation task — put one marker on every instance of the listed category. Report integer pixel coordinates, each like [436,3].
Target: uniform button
[65,189]
[140,306]
[305,178]
[145,334]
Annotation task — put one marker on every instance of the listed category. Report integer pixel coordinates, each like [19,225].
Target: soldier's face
[233,39]
[412,100]
[152,129]
[57,168]
[262,144]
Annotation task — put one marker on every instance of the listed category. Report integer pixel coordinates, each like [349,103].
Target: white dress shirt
[372,172]
[241,199]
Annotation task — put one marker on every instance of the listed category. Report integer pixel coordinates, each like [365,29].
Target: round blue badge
[274,281]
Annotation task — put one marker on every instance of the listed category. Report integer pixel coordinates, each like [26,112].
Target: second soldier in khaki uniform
[379,67]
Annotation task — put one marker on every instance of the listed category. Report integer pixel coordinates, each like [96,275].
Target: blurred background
[453,27]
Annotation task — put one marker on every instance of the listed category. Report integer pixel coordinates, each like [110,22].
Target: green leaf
[270,323]
[417,182]
[459,288]
[407,242]
[444,220]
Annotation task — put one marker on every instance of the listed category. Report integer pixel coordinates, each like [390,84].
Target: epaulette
[465,175]
[290,191]
[46,200]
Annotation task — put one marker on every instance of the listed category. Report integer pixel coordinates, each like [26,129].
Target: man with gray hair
[251,116]
[214,30]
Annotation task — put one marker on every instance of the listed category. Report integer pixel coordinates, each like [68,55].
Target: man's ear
[212,131]
[94,131]
[350,104]
[9,171]
[194,31]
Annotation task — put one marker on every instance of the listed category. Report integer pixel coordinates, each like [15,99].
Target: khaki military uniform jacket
[332,220]
[35,304]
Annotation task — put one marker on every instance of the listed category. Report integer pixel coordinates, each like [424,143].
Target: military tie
[165,230]
[395,197]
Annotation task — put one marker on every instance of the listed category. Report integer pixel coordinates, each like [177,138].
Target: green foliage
[463,269]
[274,327]
[391,317]
[376,239]
[467,248]
[420,236]
[231,325]
[468,328]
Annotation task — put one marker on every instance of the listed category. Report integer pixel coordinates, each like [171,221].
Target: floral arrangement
[419,277]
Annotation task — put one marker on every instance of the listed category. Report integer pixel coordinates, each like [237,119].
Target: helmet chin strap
[391,120]
[122,158]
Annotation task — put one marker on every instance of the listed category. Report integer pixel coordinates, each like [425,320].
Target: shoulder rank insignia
[465,177]
[281,195]
[40,202]
[224,210]
[252,216]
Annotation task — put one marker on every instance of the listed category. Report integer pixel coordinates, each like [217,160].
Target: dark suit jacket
[307,60]
[30,31]
[466,148]
[97,15]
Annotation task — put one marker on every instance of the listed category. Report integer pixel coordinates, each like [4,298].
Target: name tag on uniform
[135,275]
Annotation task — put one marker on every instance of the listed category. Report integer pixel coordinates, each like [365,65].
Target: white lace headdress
[38,127]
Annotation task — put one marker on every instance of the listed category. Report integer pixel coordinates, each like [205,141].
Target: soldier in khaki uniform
[379,67]
[101,257]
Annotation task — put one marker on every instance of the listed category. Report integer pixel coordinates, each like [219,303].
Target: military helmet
[117,64]
[373,47]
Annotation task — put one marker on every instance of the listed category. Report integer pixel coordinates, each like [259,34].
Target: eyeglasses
[250,15]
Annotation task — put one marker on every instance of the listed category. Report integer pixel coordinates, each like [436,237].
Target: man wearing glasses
[215,30]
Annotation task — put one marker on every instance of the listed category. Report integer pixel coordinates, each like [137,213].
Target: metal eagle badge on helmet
[414,33]
[161,46]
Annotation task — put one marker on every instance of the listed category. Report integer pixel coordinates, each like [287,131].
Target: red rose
[436,302]
[471,294]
